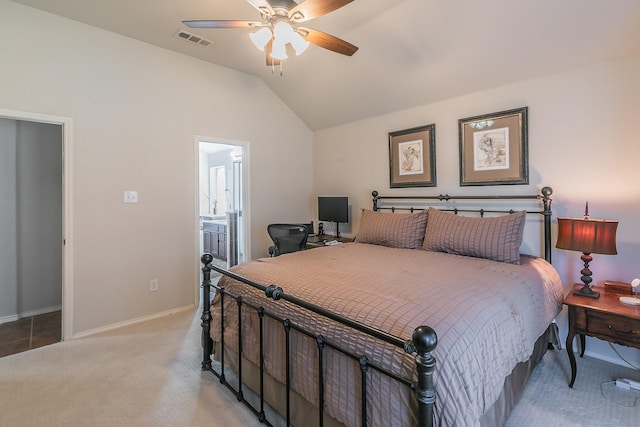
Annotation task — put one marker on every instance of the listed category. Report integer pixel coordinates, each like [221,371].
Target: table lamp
[589,236]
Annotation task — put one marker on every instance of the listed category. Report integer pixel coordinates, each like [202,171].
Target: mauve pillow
[497,238]
[396,230]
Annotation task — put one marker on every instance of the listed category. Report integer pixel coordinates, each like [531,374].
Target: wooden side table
[606,318]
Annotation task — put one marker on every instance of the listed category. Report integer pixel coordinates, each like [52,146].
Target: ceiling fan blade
[310,9]
[263,7]
[327,41]
[270,61]
[202,23]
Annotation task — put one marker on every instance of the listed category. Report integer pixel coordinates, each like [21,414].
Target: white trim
[196,198]
[67,221]
[133,321]
[7,319]
[40,311]
[30,313]
[246,214]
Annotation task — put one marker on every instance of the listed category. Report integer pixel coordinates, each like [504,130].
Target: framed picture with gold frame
[494,148]
[412,157]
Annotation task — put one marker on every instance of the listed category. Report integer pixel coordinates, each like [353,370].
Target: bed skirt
[514,384]
[275,391]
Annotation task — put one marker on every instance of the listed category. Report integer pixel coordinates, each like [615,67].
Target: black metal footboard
[421,344]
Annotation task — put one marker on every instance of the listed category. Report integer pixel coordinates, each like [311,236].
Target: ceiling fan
[278,27]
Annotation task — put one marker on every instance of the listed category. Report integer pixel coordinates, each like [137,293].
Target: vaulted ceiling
[411,52]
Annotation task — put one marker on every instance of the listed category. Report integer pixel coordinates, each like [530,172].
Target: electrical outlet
[153,285]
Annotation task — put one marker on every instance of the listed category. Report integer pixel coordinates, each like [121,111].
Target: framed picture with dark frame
[412,157]
[494,148]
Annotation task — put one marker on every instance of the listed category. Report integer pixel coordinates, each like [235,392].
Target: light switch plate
[131,197]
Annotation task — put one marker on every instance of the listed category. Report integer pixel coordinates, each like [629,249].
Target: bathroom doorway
[222,196]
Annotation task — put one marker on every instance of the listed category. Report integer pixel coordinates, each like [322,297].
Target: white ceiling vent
[184,35]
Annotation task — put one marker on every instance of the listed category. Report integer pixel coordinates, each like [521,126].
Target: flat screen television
[333,209]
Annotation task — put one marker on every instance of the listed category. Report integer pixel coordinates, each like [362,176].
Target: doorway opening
[35,218]
[222,196]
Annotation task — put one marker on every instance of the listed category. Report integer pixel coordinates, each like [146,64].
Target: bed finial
[424,341]
[206,259]
[374,194]
[274,292]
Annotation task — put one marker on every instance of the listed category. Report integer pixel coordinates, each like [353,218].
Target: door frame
[67,211]
[246,209]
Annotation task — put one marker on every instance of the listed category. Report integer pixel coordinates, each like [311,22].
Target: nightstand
[605,318]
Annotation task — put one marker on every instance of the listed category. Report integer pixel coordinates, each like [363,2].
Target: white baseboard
[30,313]
[7,319]
[615,359]
[40,311]
[132,321]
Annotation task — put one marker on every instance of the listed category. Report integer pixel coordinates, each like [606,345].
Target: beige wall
[135,110]
[583,142]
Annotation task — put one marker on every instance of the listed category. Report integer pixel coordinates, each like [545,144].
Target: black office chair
[309,227]
[287,238]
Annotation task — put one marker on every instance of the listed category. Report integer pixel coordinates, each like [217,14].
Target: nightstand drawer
[622,329]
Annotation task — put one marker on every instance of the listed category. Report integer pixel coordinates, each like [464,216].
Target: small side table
[606,318]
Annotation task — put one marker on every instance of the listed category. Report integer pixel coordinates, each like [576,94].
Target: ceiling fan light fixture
[261,37]
[279,50]
[299,44]
[283,31]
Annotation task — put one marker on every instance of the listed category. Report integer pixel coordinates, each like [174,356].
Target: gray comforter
[487,315]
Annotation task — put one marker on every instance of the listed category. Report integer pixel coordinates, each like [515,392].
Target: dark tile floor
[30,332]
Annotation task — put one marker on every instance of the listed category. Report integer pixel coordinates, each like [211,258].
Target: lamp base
[586,291]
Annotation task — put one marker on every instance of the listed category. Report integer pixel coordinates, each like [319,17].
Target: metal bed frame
[421,345]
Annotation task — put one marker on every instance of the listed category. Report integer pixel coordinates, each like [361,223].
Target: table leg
[583,345]
[569,345]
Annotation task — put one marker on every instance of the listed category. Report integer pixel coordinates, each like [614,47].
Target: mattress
[487,315]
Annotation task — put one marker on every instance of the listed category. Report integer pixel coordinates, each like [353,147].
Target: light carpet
[593,401]
[148,374]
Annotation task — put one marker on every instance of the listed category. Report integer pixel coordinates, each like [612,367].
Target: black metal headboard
[404,203]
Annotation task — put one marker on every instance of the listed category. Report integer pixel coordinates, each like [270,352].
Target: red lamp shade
[590,236]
